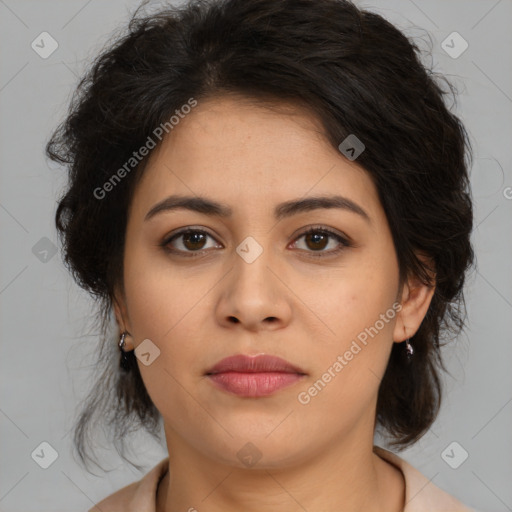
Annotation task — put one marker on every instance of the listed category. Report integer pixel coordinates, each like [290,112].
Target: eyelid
[176,234]
[320,227]
[343,240]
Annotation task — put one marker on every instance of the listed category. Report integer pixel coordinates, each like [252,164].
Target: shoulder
[421,495]
[139,496]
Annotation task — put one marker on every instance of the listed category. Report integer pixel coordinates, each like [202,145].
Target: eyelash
[345,243]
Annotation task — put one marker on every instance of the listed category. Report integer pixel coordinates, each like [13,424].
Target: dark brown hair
[359,75]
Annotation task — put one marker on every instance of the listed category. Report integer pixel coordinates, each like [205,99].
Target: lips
[254,376]
[254,364]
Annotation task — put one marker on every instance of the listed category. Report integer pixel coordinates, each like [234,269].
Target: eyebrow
[282,210]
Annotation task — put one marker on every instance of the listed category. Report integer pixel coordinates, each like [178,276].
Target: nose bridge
[252,265]
[253,292]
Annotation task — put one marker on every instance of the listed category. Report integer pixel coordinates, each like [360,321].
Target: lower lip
[254,384]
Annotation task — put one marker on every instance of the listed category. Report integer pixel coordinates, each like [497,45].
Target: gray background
[47,346]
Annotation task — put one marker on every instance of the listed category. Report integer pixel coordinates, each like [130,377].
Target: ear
[415,301]
[120,310]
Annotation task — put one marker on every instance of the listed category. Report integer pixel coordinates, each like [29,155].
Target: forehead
[249,155]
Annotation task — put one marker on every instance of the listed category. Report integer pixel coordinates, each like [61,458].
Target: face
[253,282]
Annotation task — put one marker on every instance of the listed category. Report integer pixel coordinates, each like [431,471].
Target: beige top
[421,495]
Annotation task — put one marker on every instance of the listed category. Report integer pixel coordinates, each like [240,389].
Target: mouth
[254,376]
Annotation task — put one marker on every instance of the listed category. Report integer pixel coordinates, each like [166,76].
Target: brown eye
[317,239]
[189,240]
[194,240]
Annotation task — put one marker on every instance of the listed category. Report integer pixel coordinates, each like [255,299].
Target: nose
[254,295]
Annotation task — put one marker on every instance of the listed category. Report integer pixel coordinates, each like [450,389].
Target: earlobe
[122,319]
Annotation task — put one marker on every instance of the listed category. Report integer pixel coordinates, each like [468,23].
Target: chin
[259,450]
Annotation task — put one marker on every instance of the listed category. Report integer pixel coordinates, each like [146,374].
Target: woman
[272,198]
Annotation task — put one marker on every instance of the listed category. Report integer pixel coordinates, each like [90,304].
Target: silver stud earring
[124,362]
[408,348]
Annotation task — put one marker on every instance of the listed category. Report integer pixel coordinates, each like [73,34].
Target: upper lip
[254,364]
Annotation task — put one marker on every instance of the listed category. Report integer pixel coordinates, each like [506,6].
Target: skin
[287,302]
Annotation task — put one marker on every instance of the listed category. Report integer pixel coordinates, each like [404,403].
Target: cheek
[166,318]
[360,309]
[156,300]
[356,299]
[164,307]
[163,316]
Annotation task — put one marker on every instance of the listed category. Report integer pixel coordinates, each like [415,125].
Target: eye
[191,241]
[317,238]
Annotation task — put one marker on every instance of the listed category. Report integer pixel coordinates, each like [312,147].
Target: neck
[345,477]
